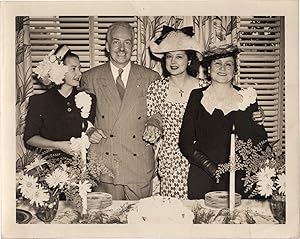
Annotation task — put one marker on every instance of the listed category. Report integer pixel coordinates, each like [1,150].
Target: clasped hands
[151,134]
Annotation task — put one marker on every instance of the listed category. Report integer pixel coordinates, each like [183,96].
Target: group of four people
[133,108]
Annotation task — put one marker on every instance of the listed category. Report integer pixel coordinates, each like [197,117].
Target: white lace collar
[248,96]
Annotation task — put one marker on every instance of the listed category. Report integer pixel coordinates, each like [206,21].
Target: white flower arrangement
[83,102]
[51,71]
[42,180]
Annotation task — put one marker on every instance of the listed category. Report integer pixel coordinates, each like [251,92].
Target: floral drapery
[24,86]
[209,31]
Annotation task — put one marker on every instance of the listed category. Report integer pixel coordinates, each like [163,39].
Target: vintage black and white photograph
[140,120]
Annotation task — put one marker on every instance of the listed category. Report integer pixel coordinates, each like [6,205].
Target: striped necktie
[120,85]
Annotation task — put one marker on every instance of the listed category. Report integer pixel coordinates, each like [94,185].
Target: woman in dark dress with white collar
[62,112]
[207,124]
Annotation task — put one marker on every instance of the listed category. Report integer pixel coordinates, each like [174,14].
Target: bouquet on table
[264,166]
[42,178]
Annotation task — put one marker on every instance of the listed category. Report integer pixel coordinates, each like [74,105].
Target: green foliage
[119,216]
[251,159]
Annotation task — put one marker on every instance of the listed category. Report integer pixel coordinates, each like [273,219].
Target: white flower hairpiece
[83,102]
[51,70]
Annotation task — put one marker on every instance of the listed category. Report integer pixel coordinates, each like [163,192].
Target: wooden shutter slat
[58,36]
[246,19]
[244,29]
[259,75]
[255,37]
[67,42]
[49,30]
[114,19]
[260,64]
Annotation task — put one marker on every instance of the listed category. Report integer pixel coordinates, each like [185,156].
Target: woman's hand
[65,146]
[151,134]
[259,116]
[95,135]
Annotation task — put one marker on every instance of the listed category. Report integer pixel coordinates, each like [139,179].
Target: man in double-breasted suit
[121,117]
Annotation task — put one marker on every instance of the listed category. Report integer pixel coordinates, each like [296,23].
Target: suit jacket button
[107,153]
[139,117]
[111,135]
[134,154]
[133,136]
[102,116]
[69,109]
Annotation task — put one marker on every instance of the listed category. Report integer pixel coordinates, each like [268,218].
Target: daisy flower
[84,188]
[28,184]
[265,174]
[38,162]
[281,183]
[39,196]
[57,179]
[265,187]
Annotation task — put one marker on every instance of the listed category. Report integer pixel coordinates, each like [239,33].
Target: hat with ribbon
[174,40]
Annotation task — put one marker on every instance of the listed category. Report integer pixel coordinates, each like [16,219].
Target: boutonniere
[249,97]
[83,102]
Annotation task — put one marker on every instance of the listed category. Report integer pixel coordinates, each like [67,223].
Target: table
[260,210]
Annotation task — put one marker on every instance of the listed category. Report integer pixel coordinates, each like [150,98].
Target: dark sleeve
[248,128]
[92,115]
[187,136]
[33,121]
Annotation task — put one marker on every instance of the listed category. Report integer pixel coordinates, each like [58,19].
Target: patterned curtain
[24,86]
[211,30]
[214,31]
[148,27]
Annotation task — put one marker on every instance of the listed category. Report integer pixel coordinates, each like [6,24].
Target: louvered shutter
[85,35]
[261,66]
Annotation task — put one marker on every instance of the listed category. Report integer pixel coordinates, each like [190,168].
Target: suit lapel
[132,90]
[110,90]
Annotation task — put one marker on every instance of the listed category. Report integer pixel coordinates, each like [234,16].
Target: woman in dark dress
[207,124]
[62,112]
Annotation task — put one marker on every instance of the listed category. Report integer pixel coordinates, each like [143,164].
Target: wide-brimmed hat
[175,40]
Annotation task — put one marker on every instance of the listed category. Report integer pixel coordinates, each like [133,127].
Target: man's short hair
[116,25]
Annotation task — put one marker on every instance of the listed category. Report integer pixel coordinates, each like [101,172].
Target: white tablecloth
[260,210]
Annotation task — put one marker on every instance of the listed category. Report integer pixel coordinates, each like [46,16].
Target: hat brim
[175,41]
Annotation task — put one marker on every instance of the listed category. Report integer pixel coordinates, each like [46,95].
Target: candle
[83,151]
[83,158]
[232,172]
